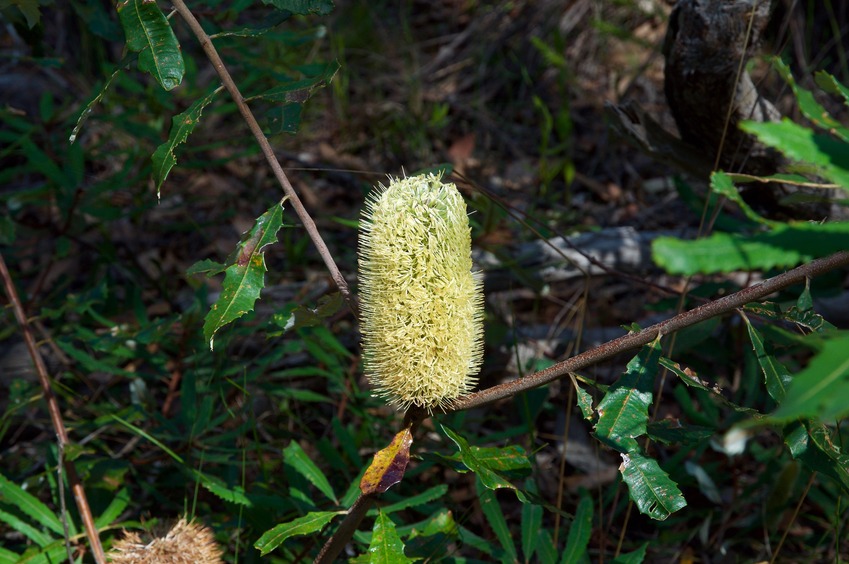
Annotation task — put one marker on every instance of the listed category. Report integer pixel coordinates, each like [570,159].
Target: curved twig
[297,205]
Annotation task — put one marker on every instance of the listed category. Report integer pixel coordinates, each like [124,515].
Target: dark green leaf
[303,7]
[721,183]
[585,400]
[811,444]
[495,518]
[623,411]
[806,318]
[650,487]
[776,375]
[149,33]
[386,546]
[531,525]
[635,557]
[182,126]
[244,278]
[294,456]
[830,85]
[673,432]
[483,467]
[820,390]
[579,531]
[296,316]
[309,523]
[217,486]
[87,109]
[431,494]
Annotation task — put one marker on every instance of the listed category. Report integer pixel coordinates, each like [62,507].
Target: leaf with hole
[650,487]
[623,411]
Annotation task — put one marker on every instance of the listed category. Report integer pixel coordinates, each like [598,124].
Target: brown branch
[634,340]
[230,85]
[346,530]
[55,415]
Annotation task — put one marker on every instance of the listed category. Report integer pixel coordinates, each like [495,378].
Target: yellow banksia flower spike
[421,304]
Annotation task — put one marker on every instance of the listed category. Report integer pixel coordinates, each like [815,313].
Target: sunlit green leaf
[721,183]
[295,457]
[386,546]
[830,84]
[820,390]
[30,505]
[784,246]
[811,444]
[812,109]
[800,143]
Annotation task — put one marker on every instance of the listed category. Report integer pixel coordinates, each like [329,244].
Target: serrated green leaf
[206,266]
[807,318]
[531,525]
[217,486]
[830,155]
[495,518]
[811,444]
[294,456]
[579,531]
[182,126]
[585,400]
[268,23]
[812,109]
[784,246]
[830,84]
[820,390]
[309,523]
[149,33]
[623,411]
[650,487]
[721,184]
[776,376]
[87,109]
[303,7]
[386,546]
[244,278]
[37,536]
[30,505]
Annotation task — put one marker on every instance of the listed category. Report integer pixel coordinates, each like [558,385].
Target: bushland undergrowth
[180,371]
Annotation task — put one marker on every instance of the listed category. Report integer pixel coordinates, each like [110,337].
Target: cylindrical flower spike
[421,305]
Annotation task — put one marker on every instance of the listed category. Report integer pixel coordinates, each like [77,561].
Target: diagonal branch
[634,340]
[55,415]
[297,205]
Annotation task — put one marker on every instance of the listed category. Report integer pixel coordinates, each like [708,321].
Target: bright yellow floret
[421,305]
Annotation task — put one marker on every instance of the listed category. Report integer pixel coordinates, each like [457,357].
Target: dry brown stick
[634,340]
[230,85]
[55,414]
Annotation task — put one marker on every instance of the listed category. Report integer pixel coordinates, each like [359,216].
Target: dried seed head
[422,307]
[186,543]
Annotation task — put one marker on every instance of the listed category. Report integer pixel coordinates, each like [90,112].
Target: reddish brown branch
[55,414]
[300,210]
[634,340]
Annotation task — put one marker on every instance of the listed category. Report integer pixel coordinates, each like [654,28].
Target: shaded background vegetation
[511,95]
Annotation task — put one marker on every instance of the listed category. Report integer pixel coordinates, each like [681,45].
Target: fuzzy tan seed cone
[186,543]
[421,305]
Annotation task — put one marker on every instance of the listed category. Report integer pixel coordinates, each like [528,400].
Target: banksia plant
[186,543]
[421,305]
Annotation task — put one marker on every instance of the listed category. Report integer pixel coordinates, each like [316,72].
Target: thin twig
[634,340]
[300,210]
[55,415]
